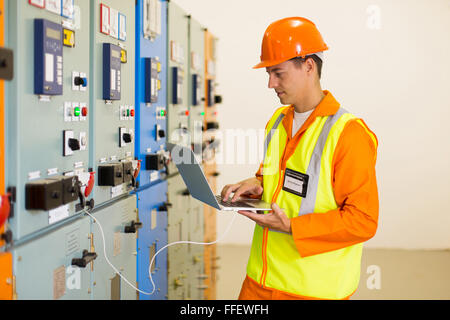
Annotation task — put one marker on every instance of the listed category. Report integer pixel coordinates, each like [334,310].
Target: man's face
[288,80]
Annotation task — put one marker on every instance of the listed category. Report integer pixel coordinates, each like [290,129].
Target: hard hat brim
[270,63]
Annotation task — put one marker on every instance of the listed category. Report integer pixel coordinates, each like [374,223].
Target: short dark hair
[299,61]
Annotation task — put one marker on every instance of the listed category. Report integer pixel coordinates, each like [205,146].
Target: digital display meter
[111,72]
[48,58]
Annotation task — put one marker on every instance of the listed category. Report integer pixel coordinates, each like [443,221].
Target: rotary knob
[79,81]
[74,144]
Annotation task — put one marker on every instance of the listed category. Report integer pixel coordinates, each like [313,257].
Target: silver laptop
[198,186]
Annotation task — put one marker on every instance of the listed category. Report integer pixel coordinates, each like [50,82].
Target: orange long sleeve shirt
[354,184]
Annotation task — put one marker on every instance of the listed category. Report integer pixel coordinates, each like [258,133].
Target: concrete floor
[392,274]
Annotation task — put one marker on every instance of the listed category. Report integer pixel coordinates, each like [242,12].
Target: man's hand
[247,187]
[276,220]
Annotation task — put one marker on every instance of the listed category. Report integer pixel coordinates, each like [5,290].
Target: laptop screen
[192,174]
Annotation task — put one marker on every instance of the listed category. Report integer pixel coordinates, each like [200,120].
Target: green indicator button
[128,112]
[163,113]
[202,113]
[77,112]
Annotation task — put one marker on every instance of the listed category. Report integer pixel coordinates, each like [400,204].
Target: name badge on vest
[295,182]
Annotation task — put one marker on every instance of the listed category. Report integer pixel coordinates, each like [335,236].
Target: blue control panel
[152,236]
[151,89]
[48,58]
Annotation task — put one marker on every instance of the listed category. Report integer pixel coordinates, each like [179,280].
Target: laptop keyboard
[236,204]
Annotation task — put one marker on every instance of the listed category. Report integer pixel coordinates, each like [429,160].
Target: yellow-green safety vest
[274,260]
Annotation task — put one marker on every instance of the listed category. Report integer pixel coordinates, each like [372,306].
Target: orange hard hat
[289,38]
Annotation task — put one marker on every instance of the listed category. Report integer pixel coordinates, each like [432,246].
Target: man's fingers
[224,191]
[238,193]
[277,209]
[228,191]
[258,218]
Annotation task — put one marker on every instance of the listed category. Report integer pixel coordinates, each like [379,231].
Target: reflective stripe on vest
[308,204]
[274,260]
[272,132]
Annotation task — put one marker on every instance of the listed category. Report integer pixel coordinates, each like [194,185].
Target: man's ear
[310,66]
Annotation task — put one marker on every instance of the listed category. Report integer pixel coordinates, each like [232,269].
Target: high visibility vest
[274,260]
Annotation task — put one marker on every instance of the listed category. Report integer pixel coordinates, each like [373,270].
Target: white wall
[396,78]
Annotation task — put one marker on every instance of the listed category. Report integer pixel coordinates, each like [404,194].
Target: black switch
[127,171]
[7,236]
[212,125]
[133,227]
[45,194]
[74,144]
[80,81]
[161,133]
[87,258]
[6,64]
[110,174]
[154,161]
[164,207]
[127,137]
[70,188]
[217,99]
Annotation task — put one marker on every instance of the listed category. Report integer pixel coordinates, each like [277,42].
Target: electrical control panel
[196,121]
[196,84]
[98,88]
[6,73]
[209,146]
[112,117]
[178,64]
[153,207]
[120,224]
[48,121]
[69,263]
[151,90]
[178,230]
[195,257]
[57,266]
[3,210]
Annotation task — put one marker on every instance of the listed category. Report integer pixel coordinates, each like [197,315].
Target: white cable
[191,242]
[153,259]
[106,257]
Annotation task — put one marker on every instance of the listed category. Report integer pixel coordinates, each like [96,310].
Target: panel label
[58,214]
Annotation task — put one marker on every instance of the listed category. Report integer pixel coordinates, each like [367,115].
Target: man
[319,174]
